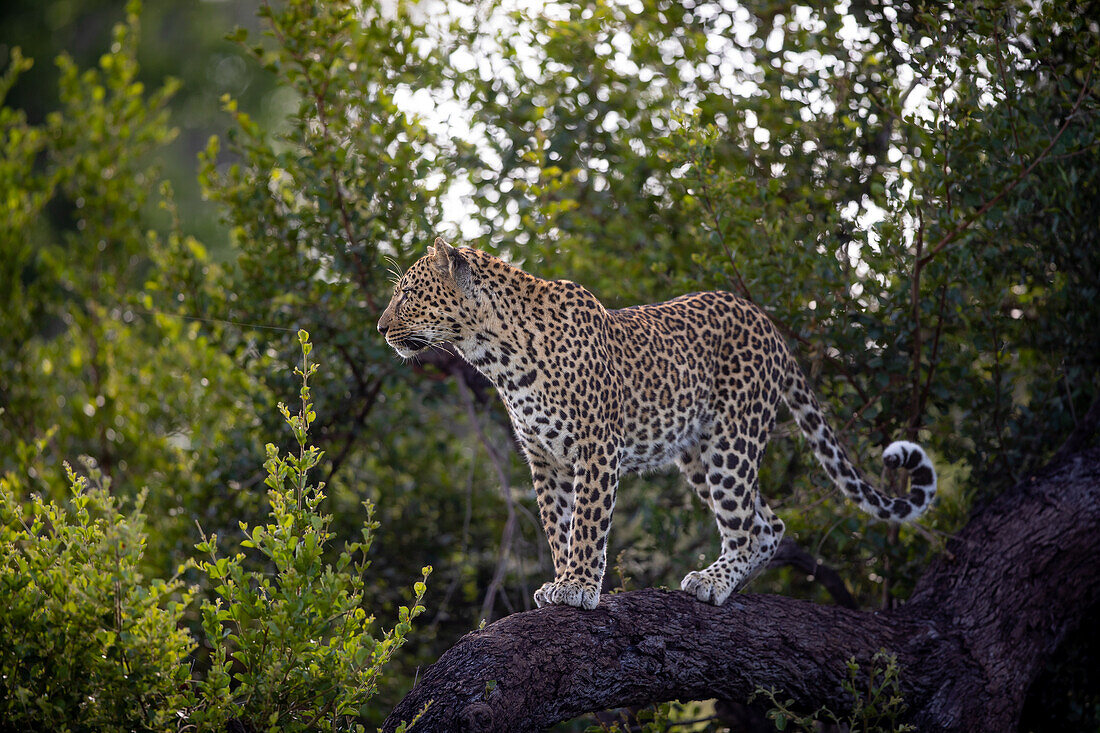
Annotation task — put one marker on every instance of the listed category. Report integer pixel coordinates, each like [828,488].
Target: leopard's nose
[382,328]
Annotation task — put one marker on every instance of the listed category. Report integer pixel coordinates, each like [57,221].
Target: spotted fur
[595,393]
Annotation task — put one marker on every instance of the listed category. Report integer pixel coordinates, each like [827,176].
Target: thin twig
[838,363]
[914,294]
[1011,96]
[720,231]
[863,408]
[946,156]
[441,607]
[933,359]
[792,554]
[1074,153]
[497,460]
[357,424]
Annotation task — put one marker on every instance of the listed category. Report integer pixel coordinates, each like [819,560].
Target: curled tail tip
[922,475]
[904,454]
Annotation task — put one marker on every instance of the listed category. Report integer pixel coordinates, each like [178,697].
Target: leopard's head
[432,302]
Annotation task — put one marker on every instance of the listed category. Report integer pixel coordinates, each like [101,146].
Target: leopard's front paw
[567,593]
[541,597]
[706,587]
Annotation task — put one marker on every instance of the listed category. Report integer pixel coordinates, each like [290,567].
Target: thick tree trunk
[981,623]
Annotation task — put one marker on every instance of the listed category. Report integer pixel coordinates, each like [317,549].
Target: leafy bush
[293,648]
[89,642]
[88,291]
[877,703]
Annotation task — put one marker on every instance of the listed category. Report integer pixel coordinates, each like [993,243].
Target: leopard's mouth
[409,346]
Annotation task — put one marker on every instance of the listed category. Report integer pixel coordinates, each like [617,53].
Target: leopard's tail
[848,478]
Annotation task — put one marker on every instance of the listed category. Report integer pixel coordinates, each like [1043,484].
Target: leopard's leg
[690,463]
[595,480]
[769,528]
[731,460]
[554,494]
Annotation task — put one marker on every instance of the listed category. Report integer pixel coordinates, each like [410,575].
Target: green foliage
[94,645]
[90,643]
[319,206]
[692,717]
[26,194]
[877,703]
[293,649]
[346,180]
[90,345]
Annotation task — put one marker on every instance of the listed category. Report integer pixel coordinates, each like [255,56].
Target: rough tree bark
[981,623]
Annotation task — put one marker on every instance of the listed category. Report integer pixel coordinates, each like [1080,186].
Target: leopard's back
[684,364]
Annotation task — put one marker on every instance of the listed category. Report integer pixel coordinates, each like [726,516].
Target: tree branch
[933,360]
[789,553]
[914,296]
[976,632]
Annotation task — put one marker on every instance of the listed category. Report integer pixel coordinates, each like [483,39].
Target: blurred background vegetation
[910,191]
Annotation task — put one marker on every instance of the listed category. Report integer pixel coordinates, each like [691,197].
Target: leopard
[595,393]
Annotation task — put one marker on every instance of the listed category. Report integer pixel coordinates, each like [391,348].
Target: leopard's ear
[437,249]
[453,262]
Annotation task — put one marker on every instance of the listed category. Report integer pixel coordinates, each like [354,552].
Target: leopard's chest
[541,421]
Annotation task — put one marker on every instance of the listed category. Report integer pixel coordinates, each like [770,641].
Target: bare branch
[933,359]
[914,295]
[497,583]
[789,553]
